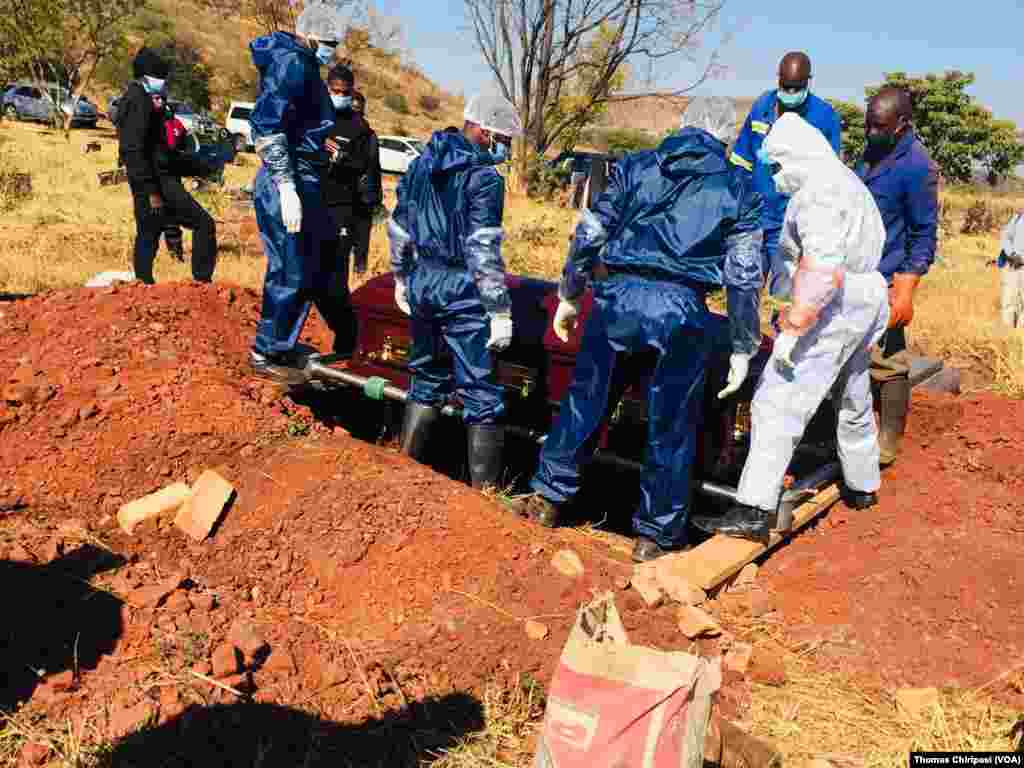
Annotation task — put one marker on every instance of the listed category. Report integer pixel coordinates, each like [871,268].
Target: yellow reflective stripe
[760,127]
[742,162]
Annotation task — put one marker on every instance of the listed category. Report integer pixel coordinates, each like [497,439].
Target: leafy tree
[958,133]
[623,140]
[852,118]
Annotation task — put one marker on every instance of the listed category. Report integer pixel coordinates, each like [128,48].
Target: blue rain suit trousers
[631,316]
[299,266]
[450,330]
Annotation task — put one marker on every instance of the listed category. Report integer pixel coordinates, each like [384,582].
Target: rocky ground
[360,602]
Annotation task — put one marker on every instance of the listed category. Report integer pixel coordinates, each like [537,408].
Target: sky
[851,45]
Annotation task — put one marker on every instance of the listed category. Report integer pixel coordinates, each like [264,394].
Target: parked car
[578,167]
[238,124]
[28,101]
[397,152]
[199,124]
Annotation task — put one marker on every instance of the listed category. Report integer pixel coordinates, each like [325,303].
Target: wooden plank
[721,557]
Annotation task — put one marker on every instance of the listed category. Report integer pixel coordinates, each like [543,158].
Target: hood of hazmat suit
[832,226]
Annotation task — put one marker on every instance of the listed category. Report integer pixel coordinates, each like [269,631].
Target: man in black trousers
[160,198]
[351,194]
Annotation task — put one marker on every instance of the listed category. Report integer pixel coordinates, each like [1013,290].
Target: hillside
[400,98]
[656,115]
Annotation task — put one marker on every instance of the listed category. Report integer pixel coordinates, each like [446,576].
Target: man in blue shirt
[904,182]
[792,95]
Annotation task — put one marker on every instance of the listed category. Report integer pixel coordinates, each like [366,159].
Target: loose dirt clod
[694,623]
[567,563]
[535,630]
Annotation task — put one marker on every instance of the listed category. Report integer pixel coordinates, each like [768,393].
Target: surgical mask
[499,151]
[793,100]
[341,102]
[880,143]
[324,53]
[153,84]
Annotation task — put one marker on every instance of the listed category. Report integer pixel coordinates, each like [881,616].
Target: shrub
[979,219]
[430,103]
[15,189]
[397,103]
[623,140]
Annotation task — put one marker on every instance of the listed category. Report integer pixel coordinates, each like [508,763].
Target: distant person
[901,175]
[792,95]
[1011,266]
[348,145]
[160,198]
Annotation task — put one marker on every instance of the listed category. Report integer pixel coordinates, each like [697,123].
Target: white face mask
[153,84]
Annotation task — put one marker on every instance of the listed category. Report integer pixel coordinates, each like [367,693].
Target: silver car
[27,101]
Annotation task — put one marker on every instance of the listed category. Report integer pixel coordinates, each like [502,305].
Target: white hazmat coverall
[832,238]
[1011,269]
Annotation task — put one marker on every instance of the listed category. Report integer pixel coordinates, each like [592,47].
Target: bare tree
[537,49]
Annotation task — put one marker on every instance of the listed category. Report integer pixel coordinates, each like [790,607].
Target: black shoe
[894,403]
[741,522]
[281,369]
[540,510]
[646,550]
[485,445]
[858,499]
[416,428]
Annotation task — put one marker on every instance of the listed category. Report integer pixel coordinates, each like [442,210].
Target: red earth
[378,586]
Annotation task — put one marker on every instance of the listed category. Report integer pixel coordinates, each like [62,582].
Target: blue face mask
[153,84]
[793,100]
[324,53]
[341,102]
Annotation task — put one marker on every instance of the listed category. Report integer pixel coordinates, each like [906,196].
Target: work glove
[783,350]
[291,207]
[565,319]
[400,298]
[501,332]
[739,366]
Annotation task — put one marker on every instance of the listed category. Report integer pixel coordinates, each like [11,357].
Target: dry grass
[72,228]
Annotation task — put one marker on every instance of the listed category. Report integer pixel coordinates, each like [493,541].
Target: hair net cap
[714,114]
[321,21]
[493,112]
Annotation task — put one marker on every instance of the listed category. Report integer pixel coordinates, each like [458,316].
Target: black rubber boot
[284,369]
[741,522]
[485,445]
[857,499]
[416,424]
[893,407]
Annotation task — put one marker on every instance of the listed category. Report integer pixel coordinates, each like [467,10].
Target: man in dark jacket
[904,182]
[159,196]
[346,194]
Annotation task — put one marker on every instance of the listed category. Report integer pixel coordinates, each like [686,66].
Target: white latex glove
[565,319]
[400,298]
[291,208]
[739,366]
[783,350]
[501,332]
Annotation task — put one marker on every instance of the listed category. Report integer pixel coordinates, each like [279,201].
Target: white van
[238,124]
[397,152]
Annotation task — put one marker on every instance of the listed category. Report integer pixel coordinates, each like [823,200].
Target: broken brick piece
[204,506]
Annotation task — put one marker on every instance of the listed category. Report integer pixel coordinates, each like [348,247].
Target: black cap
[149,63]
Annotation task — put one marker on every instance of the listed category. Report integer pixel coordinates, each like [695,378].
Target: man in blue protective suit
[674,223]
[904,181]
[445,237]
[292,117]
[792,95]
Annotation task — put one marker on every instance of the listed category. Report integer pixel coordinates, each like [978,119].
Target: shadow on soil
[250,734]
[54,620]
